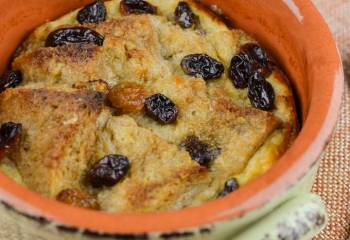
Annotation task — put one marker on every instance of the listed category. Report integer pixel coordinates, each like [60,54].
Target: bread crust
[58,135]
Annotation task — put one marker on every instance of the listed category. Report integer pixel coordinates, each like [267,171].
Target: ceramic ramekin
[295,33]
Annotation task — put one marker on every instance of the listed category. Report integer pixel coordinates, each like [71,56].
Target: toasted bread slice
[58,135]
[160,174]
[163,176]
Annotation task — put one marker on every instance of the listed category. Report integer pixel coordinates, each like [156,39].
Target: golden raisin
[77,198]
[127,97]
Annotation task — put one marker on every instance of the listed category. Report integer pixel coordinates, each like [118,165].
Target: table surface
[333,179]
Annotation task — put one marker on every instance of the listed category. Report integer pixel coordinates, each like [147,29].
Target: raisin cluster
[249,69]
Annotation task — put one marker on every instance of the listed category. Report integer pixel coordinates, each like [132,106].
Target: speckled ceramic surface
[279,193]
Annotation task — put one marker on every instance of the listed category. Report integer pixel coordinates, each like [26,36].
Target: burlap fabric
[333,181]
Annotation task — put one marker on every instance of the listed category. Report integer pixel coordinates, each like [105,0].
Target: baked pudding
[142,106]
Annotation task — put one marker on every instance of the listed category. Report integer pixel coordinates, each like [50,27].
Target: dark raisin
[128,7]
[230,186]
[10,79]
[184,15]
[259,59]
[240,70]
[92,13]
[199,151]
[161,108]
[261,92]
[252,58]
[203,66]
[66,36]
[9,136]
[108,171]
[78,198]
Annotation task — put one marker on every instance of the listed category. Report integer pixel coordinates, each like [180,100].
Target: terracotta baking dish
[295,34]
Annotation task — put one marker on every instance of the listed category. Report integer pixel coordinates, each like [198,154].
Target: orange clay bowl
[295,34]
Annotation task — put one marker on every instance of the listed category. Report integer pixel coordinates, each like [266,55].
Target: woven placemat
[333,181]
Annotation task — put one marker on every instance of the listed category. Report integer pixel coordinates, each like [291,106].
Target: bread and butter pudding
[142,106]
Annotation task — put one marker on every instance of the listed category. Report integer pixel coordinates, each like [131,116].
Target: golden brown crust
[229,122]
[186,183]
[58,129]
[93,85]
[289,101]
[77,198]
[160,172]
